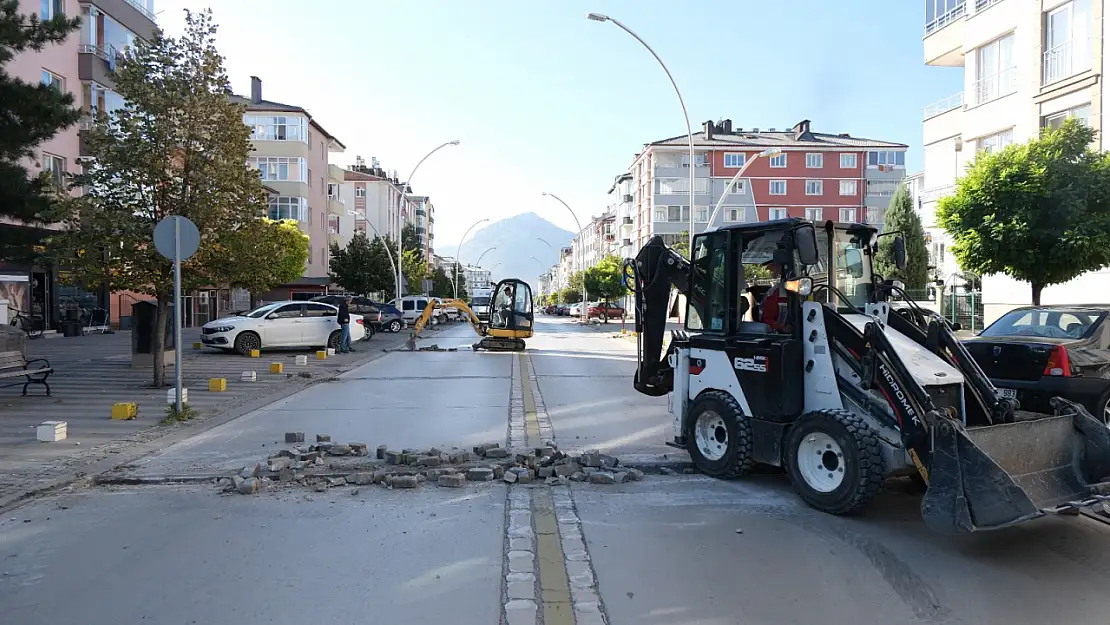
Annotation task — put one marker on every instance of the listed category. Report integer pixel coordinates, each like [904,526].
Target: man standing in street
[344,319]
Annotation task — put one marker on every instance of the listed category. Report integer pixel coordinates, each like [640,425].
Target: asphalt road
[671,549]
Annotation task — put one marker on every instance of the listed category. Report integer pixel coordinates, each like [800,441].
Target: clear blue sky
[545,100]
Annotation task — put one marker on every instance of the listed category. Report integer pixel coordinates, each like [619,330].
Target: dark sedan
[378,317]
[1036,353]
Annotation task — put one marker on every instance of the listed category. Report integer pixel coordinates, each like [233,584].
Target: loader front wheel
[834,460]
[720,437]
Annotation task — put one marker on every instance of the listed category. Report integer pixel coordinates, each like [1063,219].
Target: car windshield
[1047,323]
[480,301]
[261,311]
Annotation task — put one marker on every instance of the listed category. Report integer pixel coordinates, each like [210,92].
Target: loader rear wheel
[834,460]
[720,437]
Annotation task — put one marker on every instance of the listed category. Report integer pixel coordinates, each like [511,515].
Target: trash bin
[143,315]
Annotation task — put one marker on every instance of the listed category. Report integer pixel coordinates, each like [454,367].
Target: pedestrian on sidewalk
[344,319]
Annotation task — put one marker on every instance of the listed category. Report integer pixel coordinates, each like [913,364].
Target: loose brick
[249,486]
[578,477]
[452,480]
[251,471]
[545,471]
[510,477]
[405,481]
[545,452]
[458,458]
[360,449]
[323,438]
[498,471]
[479,474]
[394,457]
[381,452]
[361,478]
[591,459]
[428,461]
[277,464]
[635,475]
[602,477]
[294,437]
[287,475]
[566,469]
[620,477]
[524,478]
[340,450]
[497,452]
[337,481]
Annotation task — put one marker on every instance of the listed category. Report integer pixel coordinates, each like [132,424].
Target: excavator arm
[650,276]
[422,321]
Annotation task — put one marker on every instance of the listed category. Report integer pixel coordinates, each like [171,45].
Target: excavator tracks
[495,344]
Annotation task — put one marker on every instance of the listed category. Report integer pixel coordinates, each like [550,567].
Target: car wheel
[395,326]
[1104,408]
[333,340]
[834,460]
[247,341]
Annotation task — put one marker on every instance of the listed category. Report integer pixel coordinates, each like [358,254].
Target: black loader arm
[655,270]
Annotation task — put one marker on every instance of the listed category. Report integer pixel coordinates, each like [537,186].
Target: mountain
[515,240]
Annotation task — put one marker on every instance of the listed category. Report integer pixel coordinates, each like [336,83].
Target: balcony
[626,221]
[940,107]
[1066,60]
[626,198]
[944,35]
[882,188]
[992,87]
[336,205]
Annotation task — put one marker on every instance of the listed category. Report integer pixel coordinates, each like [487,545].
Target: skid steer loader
[840,392]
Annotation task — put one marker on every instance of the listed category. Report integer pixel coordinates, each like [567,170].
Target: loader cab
[511,311]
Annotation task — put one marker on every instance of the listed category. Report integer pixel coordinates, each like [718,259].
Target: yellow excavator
[511,318]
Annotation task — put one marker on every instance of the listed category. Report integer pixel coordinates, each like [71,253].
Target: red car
[604,311]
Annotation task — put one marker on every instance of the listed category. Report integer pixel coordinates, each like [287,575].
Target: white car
[576,310]
[281,324]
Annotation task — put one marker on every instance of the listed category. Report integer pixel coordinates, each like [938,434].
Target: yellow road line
[531,423]
[555,600]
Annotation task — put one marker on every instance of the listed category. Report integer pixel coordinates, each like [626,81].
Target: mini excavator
[511,318]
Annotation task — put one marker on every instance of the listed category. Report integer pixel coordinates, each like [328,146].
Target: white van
[479,302]
[411,306]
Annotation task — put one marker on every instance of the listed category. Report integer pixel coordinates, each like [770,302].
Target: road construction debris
[325,465]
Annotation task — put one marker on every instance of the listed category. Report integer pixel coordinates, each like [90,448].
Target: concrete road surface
[667,550]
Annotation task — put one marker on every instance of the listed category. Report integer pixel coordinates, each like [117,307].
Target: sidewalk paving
[93,372]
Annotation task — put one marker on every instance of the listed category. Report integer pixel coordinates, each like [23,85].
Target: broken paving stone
[452,480]
[278,464]
[249,486]
[578,477]
[420,477]
[620,477]
[479,474]
[361,478]
[524,478]
[285,453]
[321,487]
[497,452]
[323,438]
[545,471]
[602,477]
[590,459]
[428,461]
[404,481]
[381,474]
[635,475]
[498,471]
[337,481]
[510,477]
[249,471]
[609,461]
[294,437]
[545,452]
[667,471]
[555,481]
[394,457]
[360,449]
[287,475]
[409,451]
[381,452]
[458,458]
[310,456]
[340,450]
[484,447]
[564,470]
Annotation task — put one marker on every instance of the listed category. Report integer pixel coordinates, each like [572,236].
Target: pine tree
[33,113]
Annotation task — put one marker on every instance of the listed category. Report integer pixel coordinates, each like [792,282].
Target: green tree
[362,266]
[415,270]
[1038,211]
[683,244]
[605,279]
[570,295]
[901,217]
[34,113]
[281,244]
[178,147]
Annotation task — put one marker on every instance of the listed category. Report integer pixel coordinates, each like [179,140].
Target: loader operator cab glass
[707,307]
[848,269]
[512,306]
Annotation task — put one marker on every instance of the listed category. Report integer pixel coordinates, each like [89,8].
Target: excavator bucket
[995,476]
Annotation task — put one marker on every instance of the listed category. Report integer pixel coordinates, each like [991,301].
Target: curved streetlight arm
[388,254]
[769,152]
[479,261]
[400,209]
[544,241]
[598,17]
[581,244]
[455,285]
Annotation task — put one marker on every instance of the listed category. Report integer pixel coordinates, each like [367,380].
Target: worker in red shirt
[774,309]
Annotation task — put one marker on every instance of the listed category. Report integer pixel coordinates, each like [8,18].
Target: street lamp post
[400,210]
[582,254]
[459,251]
[769,152]
[598,17]
[479,261]
[388,254]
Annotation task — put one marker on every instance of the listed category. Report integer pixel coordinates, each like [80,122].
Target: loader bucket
[992,477]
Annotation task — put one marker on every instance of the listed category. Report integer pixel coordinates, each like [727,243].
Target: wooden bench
[14,365]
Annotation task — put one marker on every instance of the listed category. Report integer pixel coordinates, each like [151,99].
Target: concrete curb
[89,473]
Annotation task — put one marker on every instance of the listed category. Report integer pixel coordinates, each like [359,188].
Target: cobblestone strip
[546,430]
[517,438]
[519,596]
[585,597]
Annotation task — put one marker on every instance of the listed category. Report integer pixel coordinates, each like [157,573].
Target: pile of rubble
[325,465]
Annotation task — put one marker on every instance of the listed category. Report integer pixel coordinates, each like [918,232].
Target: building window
[674,186]
[1054,121]
[50,79]
[700,160]
[776,213]
[848,215]
[848,161]
[276,127]
[848,187]
[995,71]
[734,214]
[56,167]
[1067,41]
[310,253]
[777,187]
[281,168]
[660,214]
[333,225]
[996,142]
[360,191]
[738,188]
[678,213]
[778,161]
[886,159]
[282,207]
[815,161]
[814,214]
[814,187]
[333,190]
[701,215]
[735,160]
[51,9]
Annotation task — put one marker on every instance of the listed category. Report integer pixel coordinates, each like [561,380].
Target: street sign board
[173,231]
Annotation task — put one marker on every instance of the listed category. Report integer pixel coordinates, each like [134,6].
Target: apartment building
[622,208]
[1027,65]
[595,241]
[477,276]
[291,150]
[420,213]
[374,195]
[341,220]
[818,176]
[81,65]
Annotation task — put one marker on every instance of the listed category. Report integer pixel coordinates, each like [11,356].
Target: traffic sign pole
[177,313]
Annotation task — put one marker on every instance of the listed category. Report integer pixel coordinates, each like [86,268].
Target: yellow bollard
[321,355]
[276,367]
[217,385]
[124,411]
[256,353]
[198,345]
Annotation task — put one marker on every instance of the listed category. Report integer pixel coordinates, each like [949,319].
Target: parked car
[280,325]
[368,308]
[562,310]
[604,310]
[575,310]
[1035,353]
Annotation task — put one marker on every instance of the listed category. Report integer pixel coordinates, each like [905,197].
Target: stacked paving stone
[325,465]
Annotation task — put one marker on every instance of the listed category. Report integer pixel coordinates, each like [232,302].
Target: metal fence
[964,308]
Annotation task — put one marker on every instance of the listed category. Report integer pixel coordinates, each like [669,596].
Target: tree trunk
[158,346]
[1037,288]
